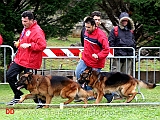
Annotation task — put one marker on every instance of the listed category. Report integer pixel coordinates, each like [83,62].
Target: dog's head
[89,77]
[24,80]
[84,77]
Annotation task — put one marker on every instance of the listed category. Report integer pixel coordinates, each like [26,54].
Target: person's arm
[82,36]
[1,40]
[38,42]
[133,38]
[105,47]
[111,38]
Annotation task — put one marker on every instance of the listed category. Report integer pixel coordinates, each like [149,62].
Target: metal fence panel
[149,64]
[5,47]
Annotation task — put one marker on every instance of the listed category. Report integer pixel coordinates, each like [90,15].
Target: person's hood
[123,16]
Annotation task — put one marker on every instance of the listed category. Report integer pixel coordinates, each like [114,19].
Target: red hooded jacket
[96,42]
[1,40]
[31,57]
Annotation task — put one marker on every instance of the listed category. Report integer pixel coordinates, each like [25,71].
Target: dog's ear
[30,73]
[88,68]
[30,76]
[94,72]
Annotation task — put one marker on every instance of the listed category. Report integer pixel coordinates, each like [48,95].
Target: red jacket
[97,43]
[31,57]
[1,40]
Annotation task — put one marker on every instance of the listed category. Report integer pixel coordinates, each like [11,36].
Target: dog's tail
[145,84]
[84,93]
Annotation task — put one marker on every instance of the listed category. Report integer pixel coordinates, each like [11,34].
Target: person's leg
[80,68]
[11,76]
[116,65]
[126,67]
[109,97]
[129,66]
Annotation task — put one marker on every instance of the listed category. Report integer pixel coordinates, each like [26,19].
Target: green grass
[149,65]
[52,42]
[133,112]
[28,112]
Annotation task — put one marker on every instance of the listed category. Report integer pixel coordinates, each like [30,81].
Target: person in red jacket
[28,57]
[1,40]
[96,49]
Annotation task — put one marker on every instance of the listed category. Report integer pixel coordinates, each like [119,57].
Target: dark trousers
[12,73]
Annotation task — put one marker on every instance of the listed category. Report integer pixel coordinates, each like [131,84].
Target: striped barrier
[66,52]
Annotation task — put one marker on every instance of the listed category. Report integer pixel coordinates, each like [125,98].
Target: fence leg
[141,93]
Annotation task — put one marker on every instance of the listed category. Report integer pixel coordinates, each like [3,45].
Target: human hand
[95,56]
[16,43]
[25,45]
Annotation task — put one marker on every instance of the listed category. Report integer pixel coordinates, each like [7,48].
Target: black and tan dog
[108,82]
[46,87]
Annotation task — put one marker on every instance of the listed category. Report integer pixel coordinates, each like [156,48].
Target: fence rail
[54,53]
[155,64]
[5,58]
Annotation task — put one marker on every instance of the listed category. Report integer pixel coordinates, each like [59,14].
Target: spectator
[96,49]
[1,40]
[125,38]
[29,54]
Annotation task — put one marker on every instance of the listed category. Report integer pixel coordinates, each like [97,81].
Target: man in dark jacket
[125,38]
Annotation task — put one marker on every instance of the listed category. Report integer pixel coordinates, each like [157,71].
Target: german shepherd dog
[46,87]
[108,82]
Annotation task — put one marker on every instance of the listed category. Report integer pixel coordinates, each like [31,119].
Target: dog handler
[30,46]
[96,49]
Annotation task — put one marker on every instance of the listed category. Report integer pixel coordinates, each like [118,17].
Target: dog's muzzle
[81,81]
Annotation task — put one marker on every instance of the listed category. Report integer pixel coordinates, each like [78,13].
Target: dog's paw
[46,106]
[20,101]
[85,106]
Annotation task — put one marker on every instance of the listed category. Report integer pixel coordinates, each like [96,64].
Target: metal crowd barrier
[145,57]
[132,58]
[52,53]
[73,53]
[55,53]
[151,71]
[5,58]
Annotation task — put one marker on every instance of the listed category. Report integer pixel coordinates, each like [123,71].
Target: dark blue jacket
[125,37]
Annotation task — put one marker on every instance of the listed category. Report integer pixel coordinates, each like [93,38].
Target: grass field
[71,63]
[149,111]
[103,112]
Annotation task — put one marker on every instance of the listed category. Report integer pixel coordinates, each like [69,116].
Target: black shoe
[40,102]
[79,100]
[91,98]
[39,106]
[109,97]
[117,97]
[13,102]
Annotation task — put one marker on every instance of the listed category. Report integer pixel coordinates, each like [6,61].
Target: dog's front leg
[99,97]
[28,96]
[48,101]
